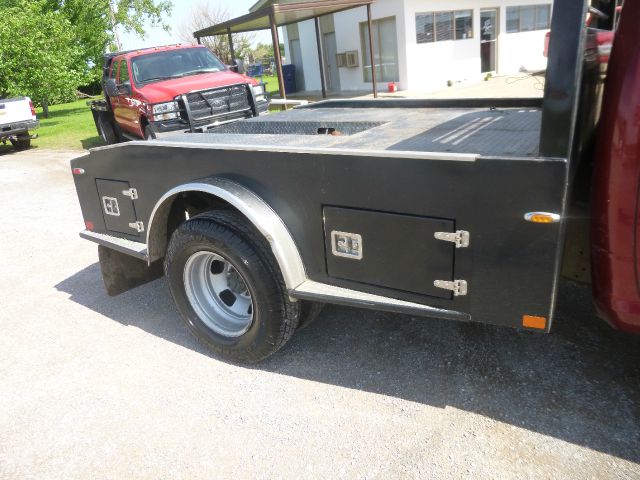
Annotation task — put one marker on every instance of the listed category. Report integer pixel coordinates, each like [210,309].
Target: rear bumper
[128,247]
[17,128]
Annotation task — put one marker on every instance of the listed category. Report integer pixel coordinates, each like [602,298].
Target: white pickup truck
[17,117]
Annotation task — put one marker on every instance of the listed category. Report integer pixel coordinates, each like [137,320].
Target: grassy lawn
[69,126]
[271,81]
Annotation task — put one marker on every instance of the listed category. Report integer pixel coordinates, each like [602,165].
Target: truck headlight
[258,91]
[165,111]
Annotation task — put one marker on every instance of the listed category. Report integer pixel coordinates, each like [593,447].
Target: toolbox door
[395,251]
[118,210]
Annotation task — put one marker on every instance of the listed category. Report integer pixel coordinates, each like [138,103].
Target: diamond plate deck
[506,132]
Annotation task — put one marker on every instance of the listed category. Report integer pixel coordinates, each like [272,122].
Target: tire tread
[218,224]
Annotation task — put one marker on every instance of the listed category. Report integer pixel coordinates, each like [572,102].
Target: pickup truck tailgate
[16,110]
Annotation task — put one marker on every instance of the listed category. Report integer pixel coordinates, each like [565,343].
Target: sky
[179,14]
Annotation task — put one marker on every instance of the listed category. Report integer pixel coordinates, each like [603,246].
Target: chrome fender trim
[259,213]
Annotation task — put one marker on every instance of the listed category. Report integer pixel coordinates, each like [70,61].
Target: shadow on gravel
[580,384]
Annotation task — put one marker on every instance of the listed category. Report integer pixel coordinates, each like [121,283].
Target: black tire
[309,312]
[23,142]
[228,234]
[106,130]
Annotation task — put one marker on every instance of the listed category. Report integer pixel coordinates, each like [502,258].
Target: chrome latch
[131,193]
[110,206]
[347,245]
[461,238]
[458,287]
[137,226]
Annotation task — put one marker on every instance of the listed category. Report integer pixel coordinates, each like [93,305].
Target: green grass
[69,127]
[271,81]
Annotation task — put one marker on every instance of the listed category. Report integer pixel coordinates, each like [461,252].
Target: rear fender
[257,212]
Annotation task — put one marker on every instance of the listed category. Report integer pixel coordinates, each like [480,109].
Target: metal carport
[278,15]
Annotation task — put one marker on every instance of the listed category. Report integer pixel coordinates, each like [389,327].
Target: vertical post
[278,55]
[374,80]
[232,52]
[321,58]
[198,40]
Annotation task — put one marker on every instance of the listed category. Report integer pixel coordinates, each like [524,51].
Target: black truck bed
[425,207]
[493,131]
[394,172]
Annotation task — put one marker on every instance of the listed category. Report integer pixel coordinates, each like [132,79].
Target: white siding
[348,37]
[310,60]
[426,66]
[433,64]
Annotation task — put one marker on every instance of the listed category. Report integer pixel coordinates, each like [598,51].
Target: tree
[204,15]
[48,48]
[96,22]
[38,53]
[263,51]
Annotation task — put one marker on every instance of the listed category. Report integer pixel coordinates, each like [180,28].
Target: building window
[463,24]
[442,26]
[528,18]
[424,28]
[385,45]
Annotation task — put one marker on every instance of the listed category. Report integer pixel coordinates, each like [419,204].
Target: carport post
[373,57]
[321,58]
[278,55]
[232,52]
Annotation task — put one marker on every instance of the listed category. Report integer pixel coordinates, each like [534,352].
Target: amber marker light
[542,217]
[530,321]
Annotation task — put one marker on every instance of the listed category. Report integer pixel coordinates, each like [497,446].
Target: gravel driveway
[99,387]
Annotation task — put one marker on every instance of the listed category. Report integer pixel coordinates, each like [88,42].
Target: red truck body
[616,182]
[162,77]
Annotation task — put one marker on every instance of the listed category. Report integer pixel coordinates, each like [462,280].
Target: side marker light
[529,321]
[542,217]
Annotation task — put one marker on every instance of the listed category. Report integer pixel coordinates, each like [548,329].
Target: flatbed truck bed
[340,166]
[499,128]
[455,209]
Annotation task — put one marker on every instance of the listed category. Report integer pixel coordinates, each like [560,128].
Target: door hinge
[458,287]
[461,238]
[131,193]
[137,226]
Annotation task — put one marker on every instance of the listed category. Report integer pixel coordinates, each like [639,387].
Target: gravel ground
[95,387]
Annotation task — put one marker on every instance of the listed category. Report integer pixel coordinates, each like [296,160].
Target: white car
[17,117]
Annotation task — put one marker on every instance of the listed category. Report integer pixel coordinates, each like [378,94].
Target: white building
[420,44]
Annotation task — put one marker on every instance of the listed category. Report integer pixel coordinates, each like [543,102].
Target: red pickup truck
[164,89]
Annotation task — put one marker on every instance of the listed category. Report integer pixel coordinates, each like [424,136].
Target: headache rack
[217,105]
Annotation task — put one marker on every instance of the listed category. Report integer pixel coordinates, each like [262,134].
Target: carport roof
[283,14]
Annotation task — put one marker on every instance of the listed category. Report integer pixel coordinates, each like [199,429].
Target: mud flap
[122,272]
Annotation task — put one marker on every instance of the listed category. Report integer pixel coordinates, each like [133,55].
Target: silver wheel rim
[218,293]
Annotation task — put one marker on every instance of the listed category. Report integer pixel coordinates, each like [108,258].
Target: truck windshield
[155,67]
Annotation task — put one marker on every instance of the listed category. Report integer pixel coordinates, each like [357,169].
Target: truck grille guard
[204,108]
